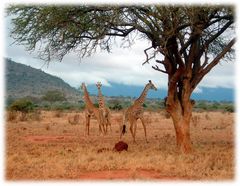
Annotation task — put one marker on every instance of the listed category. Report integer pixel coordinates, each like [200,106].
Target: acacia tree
[189,40]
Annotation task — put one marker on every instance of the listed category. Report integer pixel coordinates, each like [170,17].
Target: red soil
[46,139]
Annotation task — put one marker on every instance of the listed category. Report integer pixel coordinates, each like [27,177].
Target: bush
[36,115]
[12,115]
[74,119]
[229,108]
[22,105]
[116,107]
[144,105]
[54,96]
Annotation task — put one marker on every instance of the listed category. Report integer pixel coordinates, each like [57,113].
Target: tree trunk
[183,139]
[181,115]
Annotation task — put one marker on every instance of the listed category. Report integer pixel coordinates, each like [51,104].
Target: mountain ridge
[23,80]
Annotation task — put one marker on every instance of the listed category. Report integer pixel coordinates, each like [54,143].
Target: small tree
[22,105]
[54,96]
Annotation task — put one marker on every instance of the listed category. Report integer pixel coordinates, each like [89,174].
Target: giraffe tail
[123,126]
[124,129]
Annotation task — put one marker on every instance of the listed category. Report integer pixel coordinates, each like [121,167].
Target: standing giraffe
[91,110]
[135,112]
[105,110]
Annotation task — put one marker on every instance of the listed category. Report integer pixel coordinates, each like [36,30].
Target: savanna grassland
[52,145]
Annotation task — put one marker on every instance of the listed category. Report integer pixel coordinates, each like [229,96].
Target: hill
[22,81]
[209,94]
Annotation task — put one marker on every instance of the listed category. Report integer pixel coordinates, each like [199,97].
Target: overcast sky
[122,65]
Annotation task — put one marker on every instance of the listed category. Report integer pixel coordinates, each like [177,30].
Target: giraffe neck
[87,99]
[142,97]
[100,99]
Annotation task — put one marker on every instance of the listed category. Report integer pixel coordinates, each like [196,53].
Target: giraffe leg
[87,123]
[123,126]
[121,131]
[132,129]
[106,123]
[135,129]
[101,128]
[104,127]
[108,120]
[99,118]
[144,127]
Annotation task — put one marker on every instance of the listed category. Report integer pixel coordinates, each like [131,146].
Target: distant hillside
[209,94]
[22,81]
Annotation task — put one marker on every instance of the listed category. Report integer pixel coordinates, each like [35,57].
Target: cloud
[122,65]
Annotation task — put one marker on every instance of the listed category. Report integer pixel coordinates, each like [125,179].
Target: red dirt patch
[125,174]
[46,139]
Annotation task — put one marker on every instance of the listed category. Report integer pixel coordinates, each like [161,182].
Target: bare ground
[48,147]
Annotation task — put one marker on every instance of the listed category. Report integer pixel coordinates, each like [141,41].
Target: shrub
[229,108]
[74,120]
[35,115]
[117,107]
[207,117]
[59,113]
[22,105]
[144,105]
[96,105]
[54,96]
[12,115]
[23,116]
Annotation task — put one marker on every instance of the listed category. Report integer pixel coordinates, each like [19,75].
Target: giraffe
[103,107]
[91,110]
[135,112]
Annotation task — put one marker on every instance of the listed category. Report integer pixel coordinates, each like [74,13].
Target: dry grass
[50,148]
[12,115]
[73,120]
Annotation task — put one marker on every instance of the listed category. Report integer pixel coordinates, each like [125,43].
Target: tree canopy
[60,29]
[54,96]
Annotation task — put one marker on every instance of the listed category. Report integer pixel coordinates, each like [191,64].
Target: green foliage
[65,28]
[116,106]
[65,105]
[202,105]
[229,108]
[54,96]
[22,105]
[96,105]
[214,106]
[144,105]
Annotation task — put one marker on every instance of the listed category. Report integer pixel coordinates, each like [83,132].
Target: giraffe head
[98,84]
[151,85]
[83,86]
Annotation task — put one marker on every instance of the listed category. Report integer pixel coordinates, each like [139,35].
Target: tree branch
[203,71]
[158,69]
[219,56]
[147,58]
[211,39]
[124,32]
